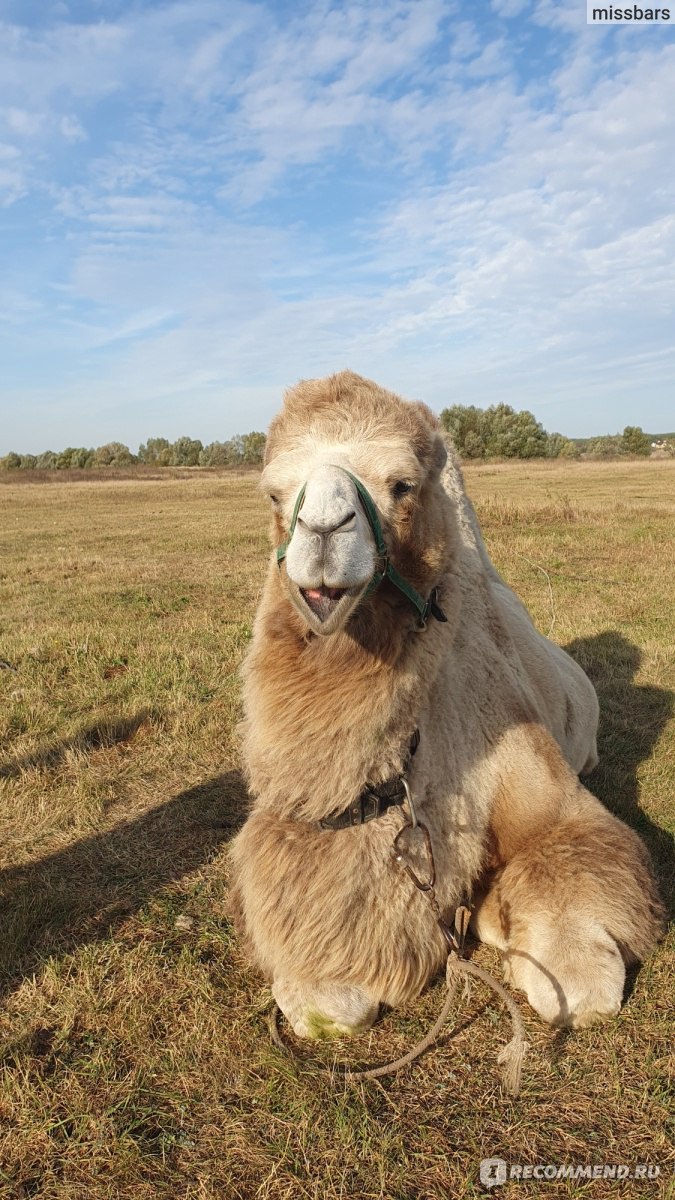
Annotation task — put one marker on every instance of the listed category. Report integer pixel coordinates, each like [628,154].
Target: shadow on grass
[114,732]
[632,719]
[79,895]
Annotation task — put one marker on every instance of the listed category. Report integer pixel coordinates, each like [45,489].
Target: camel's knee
[572,973]
[569,911]
[570,968]
[325,1010]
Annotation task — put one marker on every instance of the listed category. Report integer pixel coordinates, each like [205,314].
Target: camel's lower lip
[323,600]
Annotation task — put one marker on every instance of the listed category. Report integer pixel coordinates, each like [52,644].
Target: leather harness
[385,569]
[376,798]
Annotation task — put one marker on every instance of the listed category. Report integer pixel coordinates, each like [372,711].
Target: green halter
[424,608]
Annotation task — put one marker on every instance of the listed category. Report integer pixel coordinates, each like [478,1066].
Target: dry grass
[135,1056]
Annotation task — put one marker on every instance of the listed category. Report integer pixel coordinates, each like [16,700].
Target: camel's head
[350,470]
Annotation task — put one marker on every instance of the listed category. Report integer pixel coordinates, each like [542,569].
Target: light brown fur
[506,720]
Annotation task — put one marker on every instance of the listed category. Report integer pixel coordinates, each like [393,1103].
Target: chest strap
[375,799]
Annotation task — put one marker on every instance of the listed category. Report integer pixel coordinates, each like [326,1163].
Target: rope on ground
[510,1058]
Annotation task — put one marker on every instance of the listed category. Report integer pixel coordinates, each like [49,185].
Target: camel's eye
[401,488]
[274,499]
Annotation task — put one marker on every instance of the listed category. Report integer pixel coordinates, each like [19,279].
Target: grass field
[135,1058]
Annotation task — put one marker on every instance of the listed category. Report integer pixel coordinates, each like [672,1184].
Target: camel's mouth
[323,601]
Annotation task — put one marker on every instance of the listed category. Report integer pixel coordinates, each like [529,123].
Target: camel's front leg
[326,1009]
[570,968]
[569,911]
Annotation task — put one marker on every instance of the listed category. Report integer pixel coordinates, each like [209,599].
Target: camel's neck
[326,715]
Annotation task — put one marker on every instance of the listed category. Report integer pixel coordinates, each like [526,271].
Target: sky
[203,201]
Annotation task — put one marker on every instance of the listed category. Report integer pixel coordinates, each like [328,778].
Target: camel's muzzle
[323,601]
[383,570]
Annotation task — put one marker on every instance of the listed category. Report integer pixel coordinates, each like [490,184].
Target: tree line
[502,432]
[245,449]
[496,432]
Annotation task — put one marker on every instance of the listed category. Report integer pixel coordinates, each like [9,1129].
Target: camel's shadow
[632,719]
[82,893]
[114,732]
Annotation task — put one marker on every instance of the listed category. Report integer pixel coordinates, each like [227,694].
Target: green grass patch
[134,1054]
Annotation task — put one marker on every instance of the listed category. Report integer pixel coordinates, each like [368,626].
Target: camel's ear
[439,453]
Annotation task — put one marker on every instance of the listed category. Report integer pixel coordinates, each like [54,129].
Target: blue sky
[203,201]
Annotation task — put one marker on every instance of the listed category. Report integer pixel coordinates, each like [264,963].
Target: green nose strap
[424,608]
[281,550]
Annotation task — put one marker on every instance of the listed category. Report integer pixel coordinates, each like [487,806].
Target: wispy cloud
[204,202]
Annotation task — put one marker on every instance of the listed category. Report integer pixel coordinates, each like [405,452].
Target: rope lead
[510,1057]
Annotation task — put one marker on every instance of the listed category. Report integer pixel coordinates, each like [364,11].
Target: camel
[391,664]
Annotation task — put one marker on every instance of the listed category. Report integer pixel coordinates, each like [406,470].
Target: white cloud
[22,122]
[72,129]
[503,239]
[492,60]
[12,178]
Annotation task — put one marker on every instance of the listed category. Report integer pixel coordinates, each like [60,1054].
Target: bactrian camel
[383,624]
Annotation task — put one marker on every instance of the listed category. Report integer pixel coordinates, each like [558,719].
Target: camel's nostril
[324,527]
[345,520]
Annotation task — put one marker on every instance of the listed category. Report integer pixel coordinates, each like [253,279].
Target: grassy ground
[134,1054]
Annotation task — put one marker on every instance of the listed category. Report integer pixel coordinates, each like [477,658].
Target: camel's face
[329,430]
[332,556]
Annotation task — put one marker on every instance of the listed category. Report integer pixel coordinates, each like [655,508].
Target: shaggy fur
[506,720]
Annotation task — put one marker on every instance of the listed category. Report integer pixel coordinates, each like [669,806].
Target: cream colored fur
[506,719]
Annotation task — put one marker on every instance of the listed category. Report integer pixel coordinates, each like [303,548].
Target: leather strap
[386,570]
[375,799]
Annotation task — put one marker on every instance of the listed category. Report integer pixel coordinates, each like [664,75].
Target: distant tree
[253,447]
[247,448]
[64,459]
[81,458]
[607,446]
[496,432]
[185,452]
[155,452]
[559,446]
[463,423]
[237,444]
[473,445]
[220,454]
[511,434]
[634,441]
[113,454]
